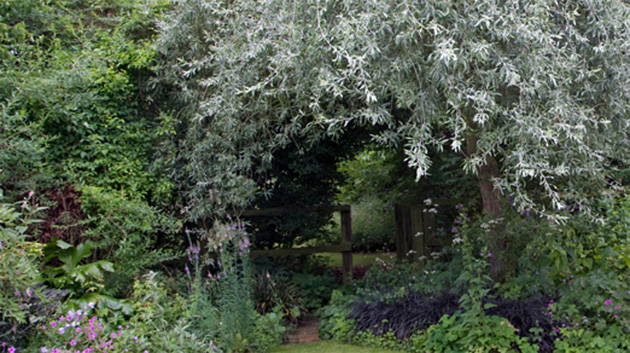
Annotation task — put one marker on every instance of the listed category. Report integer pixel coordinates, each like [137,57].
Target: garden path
[306,332]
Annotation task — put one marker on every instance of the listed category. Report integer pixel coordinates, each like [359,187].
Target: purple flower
[11,350]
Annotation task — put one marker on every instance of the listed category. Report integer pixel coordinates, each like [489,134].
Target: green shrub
[316,290]
[269,331]
[388,340]
[472,334]
[126,232]
[333,322]
[276,291]
[74,273]
[577,340]
[20,281]
[387,281]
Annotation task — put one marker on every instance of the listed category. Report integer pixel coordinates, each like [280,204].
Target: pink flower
[607,302]
[11,350]
[73,342]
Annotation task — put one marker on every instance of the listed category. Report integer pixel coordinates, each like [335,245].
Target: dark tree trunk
[490,196]
[492,207]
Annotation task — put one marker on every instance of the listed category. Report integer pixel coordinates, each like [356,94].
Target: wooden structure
[345,247]
[416,229]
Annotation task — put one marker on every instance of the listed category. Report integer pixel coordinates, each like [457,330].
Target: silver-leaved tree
[535,94]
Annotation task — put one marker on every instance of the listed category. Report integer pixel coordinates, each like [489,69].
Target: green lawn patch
[328,347]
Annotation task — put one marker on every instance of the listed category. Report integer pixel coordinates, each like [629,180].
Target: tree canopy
[535,95]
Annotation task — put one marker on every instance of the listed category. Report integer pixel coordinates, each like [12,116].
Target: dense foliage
[429,73]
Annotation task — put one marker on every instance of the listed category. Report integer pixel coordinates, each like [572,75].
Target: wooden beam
[447,202]
[285,210]
[346,237]
[343,247]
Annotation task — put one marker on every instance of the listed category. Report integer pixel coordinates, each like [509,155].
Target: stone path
[306,332]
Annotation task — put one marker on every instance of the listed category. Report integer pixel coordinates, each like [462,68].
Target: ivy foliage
[74,80]
[81,115]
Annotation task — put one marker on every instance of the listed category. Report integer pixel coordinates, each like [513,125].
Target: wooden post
[417,234]
[402,231]
[429,230]
[346,237]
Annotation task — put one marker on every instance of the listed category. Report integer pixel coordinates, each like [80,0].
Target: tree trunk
[492,207]
[490,196]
